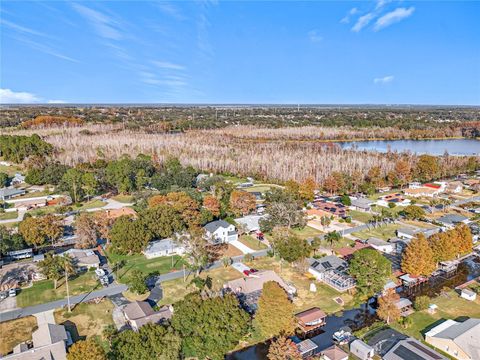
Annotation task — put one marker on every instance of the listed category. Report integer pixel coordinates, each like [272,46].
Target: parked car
[12,292]
[100,273]
[104,280]
[3,295]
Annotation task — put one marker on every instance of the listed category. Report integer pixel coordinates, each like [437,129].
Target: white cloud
[314,36]
[20,28]
[104,25]
[393,17]
[170,10]
[362,22]
[56,102]
[346,18]
[384,80]
[8,96]
[168,65]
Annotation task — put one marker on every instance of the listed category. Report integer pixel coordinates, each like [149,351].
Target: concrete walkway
[45,317]
[242,247]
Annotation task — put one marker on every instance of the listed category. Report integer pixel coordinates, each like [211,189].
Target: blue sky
[376,52]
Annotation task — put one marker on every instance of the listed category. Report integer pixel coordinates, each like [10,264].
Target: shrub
[391,205]
[422,302]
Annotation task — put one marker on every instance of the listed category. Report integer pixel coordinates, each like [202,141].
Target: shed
[334,353]
[306,348]
[468,294]
[361,350]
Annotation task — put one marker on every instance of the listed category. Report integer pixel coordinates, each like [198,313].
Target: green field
[8,215]
[252,243]
[307,232]
[162,264]
[383,232]
[92,204]
[43,291]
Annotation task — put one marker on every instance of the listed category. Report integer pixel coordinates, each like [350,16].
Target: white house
[164,247]
[468,294]
[251,222]
[381,245]
[220,232]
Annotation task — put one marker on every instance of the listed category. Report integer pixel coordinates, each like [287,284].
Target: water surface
[432,147]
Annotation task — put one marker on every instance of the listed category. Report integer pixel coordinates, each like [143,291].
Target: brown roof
[349,250]
[138,309]
[335,353]
[310,315]
[255,282]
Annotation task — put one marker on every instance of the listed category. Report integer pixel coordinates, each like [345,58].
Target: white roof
[251,222]
[439,328]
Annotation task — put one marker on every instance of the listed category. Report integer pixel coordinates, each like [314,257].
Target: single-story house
[20,254]
[460,340]
[347,251]
[251,222]
[362,204]
[421,191]
[84,259]
[412,232]
[381,245]
[334,353]
[311,319]
[306,348]
[220,232]
[139,313]
[334,208]
[9,193]
[164,247]
[49,342]
[409,349]
[361,350]
[248,289]
[396,198]
[331,270]
[450,220]
[455,187]
[28,204]
[468,294]
[17,179]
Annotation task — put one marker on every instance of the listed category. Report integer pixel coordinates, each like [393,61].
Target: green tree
[152,341]
[3,179]
[90,184]
[129,236]
[414,212]
[209,327]
[345,200]
[274,315]
[162,220]
[289,246]
[283,210]
[422,303]
[10,241]
[86,349]
[332,237]
[371,271]
[36,231]
[427,168]
[136,282]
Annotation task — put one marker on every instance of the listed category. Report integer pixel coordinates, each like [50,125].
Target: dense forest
[463,121]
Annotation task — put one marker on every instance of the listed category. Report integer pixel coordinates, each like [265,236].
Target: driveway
[8,304]
[240,267]
[111,205]
[242,247]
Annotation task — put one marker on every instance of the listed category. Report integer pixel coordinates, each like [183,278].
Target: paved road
[465,201]
[19,313]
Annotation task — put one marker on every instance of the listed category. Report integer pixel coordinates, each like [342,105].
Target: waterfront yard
[450,306]
[86,319]
[16,331]
[43,291]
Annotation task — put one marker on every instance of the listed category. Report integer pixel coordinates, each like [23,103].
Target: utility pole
[68,291]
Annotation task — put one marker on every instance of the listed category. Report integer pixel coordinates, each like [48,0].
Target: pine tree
[275,311]
[418,257]
[283,349]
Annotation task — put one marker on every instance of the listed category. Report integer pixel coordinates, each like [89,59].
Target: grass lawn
[15,332]
[323,297]
[86,319]
[147,266]
[450,306]
[43,211]
[8,215]
[92,204]
[252,243]
[307,232]
[176,290]
[383,232]
[360,216]
[42,291]
[123,198]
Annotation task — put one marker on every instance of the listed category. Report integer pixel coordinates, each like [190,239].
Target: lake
[432,147]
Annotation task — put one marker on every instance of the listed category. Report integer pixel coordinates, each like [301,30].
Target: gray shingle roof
[452,218]
[214,225]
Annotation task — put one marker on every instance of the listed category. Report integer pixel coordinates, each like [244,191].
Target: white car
[12,292]
[100,273]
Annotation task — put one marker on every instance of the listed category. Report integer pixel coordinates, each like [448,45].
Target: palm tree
[68,268]
[332,237]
